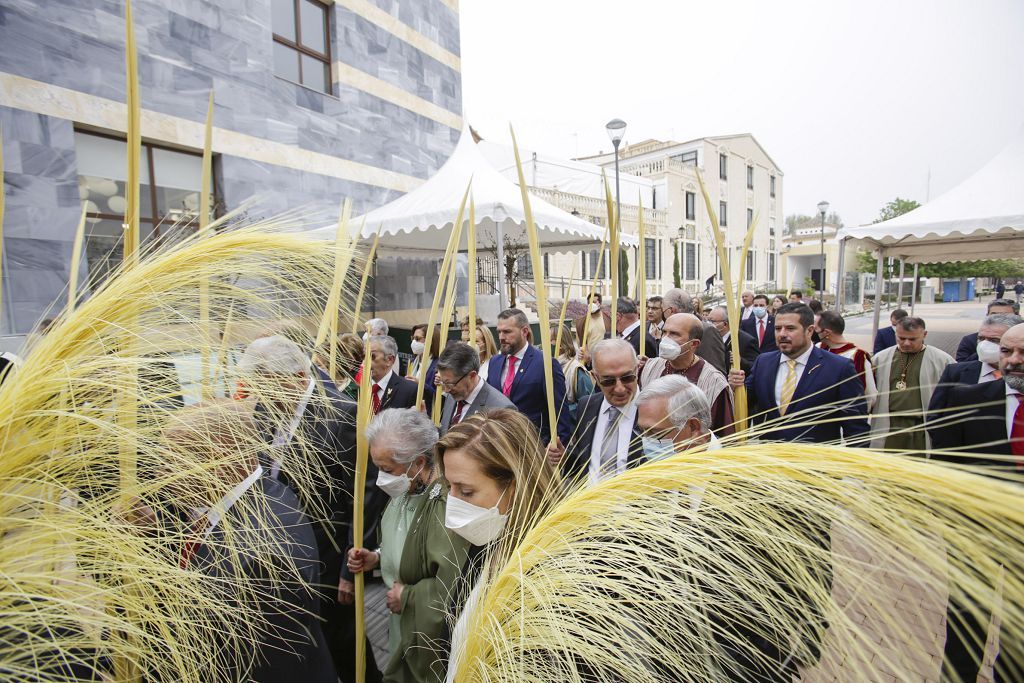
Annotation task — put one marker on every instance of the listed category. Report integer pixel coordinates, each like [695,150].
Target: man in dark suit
[886,336]
[984,368]
[967,349]
[606,440]
[802,392]
[629,326]
[711,347]
[518,373]
[253,541]
[305,421]
[719,317]
[984,419]
[761,325]
[458,369]
[389,389]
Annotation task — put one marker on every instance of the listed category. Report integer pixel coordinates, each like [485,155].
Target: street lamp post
[822,209]
[616,130]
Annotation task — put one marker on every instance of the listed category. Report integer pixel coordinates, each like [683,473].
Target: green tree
[677,276]
[896,207]
[623,273]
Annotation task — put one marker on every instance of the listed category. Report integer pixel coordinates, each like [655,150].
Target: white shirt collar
[521,352]
[987,370]
[216,512]
[476,391]
[628,411]
[629,330]
[800,360]
[384,381]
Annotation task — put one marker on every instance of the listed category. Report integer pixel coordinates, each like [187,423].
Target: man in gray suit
[465,392]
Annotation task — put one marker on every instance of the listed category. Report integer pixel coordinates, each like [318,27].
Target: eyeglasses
[449,385]
[609,382]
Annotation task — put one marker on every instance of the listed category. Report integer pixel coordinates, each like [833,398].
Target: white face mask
[669,349]
[416,347]
[759,311]
[988,352]
[396,485]
[595,307]
[658,449]
[477,525]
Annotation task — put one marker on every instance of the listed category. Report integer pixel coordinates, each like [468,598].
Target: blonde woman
[500,484]
[578,382]
[487,348]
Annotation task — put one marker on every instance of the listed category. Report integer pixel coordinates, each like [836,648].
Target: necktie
[610,443]
[457,416]
[788,387]
[376,398]
[760,331]
[194,540]
[506,387]
[1017,432]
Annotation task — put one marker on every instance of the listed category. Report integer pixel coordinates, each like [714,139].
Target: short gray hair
[677,299]
[611,345]
[378,327]
[460,358]
[387,345]
[685,400]
[627,306]
[1003,320]
[408,433]
[274,355]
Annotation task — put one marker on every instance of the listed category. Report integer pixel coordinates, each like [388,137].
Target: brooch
[435,492]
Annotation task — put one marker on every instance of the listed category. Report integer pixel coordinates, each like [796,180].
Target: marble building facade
[313,102]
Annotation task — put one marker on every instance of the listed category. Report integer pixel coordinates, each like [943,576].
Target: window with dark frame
[723,167]
[771,186]
[691,261]
[771,267]
[750,265]
[688,158]
[750,177]
[750,217]
[691,206]
[302,43]
[169,196]
[723,213]
[650,258]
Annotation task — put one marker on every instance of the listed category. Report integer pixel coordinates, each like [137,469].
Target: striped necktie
[788,387]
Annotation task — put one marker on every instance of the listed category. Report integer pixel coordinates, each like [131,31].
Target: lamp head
[616,130]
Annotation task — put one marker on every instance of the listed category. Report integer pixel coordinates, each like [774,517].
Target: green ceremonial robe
[432,561]
[906,411]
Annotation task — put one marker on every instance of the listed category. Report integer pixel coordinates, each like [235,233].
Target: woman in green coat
[420,560]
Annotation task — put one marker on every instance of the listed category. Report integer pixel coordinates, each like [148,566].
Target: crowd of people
[445,503]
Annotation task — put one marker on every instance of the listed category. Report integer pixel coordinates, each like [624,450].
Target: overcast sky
[855,101]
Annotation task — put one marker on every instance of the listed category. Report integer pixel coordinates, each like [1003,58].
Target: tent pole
[913,291]
[899,289]
[878,294]
[502,291]
[840,280]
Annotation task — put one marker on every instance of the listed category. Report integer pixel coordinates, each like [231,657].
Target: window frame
[723,166]
[154,219]
[691,206]
[723,213]
[302,49]
[750,177]
[750,217]
[771,186]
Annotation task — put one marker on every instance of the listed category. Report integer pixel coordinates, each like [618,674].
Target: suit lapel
[523,365]
[808,378]
[766,392]
[389,390]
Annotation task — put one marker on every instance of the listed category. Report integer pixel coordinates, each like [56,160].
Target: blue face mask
[760,311]
[658,449]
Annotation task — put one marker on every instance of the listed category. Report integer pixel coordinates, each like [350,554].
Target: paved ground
[946,323]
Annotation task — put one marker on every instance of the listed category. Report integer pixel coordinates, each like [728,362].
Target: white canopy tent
[981,218]
[422,220]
